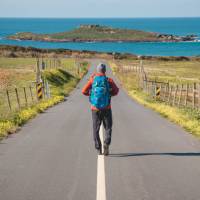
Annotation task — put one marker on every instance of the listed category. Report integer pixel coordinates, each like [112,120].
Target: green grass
[58,79]
[172,71]
[71,66]
[61,80]
[94,33]
[16,72]
[187,118]
[9,126]
[17,63]
[20,72]
[61,84]
[104,33]
[176,71]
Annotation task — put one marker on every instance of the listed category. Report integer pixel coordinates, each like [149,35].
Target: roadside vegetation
[19,73]
[177,72]
[173,71]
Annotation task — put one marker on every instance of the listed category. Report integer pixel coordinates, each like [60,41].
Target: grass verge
[19,118]
[61,84]
[187,118]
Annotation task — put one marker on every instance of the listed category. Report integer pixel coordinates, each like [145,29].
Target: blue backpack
[100,92]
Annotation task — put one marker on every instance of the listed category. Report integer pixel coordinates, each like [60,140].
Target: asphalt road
[53,156]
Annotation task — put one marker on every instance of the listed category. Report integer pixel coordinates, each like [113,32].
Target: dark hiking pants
[98,117]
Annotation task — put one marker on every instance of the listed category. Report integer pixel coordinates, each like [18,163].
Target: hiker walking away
[100,89]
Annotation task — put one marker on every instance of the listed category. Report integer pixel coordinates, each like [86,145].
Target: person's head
[101,68]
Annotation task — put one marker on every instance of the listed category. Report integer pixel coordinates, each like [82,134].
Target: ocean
[177,26]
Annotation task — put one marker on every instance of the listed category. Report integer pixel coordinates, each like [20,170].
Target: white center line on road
[101,183]
[101,135]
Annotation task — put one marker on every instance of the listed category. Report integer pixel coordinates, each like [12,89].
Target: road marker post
[39,90]
[39,83]
[158,89]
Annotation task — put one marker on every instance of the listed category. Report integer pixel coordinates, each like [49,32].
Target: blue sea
[177,26]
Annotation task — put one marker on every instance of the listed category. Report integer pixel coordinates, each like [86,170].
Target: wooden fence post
[193,95]
[163,85]
[31,93]
[25,96]
[199,95]
[161,90]
[169,95]
[50,63]
[8,98]
[54,63]
[17,96]
[46,63]
[165,92]
[180,95]
[186,95]
[152,90]
[155,89]
[146,86]
[175,94]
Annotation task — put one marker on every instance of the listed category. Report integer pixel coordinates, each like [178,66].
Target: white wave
[197,40]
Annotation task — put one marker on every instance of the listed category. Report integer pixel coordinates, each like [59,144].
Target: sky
[99,8]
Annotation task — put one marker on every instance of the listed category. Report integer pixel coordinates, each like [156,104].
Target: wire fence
[187,95]
[16,99]
[49,63]
[75,68]
[184,95]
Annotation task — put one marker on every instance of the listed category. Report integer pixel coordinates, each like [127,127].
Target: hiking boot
[106,149]
[99,150]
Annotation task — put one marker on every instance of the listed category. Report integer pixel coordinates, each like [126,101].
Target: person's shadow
[154,154]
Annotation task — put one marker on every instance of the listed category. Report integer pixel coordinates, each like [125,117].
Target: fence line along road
[15,99]
[185,95]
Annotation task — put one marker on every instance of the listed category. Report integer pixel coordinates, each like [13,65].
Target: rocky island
[98,33]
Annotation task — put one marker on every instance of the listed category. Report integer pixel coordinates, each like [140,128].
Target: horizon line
[165,17]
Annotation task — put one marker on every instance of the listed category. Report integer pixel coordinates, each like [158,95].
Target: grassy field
[16,72]
[20,73]
[172,71]
[177,72]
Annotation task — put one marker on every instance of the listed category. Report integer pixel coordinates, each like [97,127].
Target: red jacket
[86,89]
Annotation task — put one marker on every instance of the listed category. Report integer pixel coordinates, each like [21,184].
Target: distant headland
[98,33]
